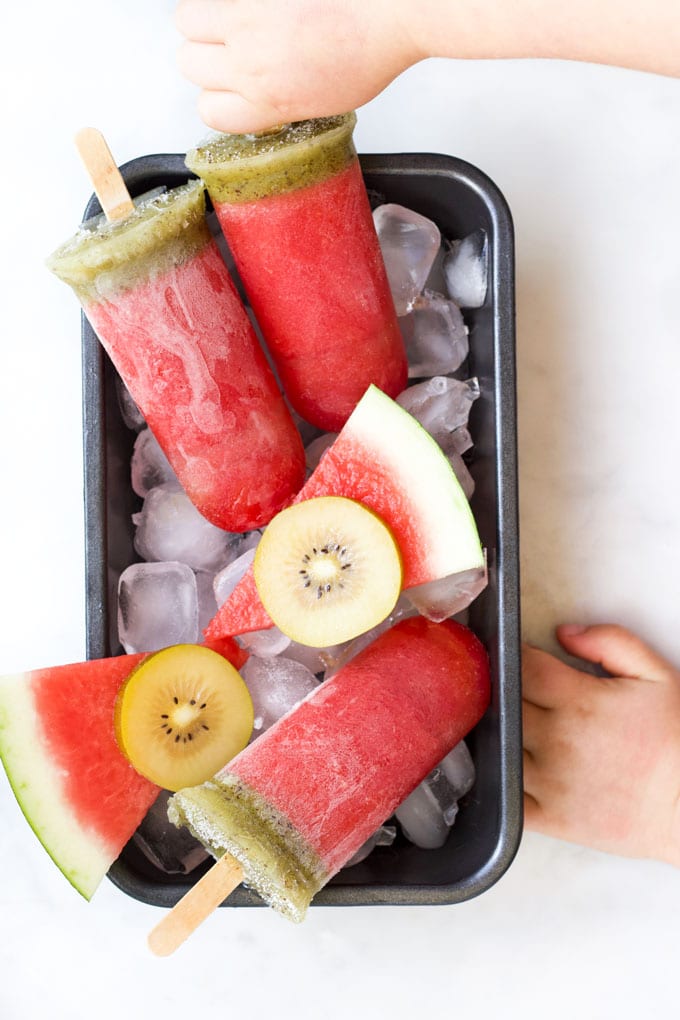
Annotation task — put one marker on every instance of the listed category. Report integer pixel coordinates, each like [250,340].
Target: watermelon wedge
[386,460]
[76,789]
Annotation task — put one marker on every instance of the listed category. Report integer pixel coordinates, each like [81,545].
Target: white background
[589,160]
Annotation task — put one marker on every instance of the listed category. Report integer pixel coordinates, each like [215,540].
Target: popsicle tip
[105,176]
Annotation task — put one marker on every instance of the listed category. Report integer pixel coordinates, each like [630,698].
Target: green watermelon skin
[384,459]
[77,791]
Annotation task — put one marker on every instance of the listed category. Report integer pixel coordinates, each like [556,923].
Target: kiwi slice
[182,714]
[326,570]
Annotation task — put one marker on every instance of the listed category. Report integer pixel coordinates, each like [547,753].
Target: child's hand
[602,755]
[263,62]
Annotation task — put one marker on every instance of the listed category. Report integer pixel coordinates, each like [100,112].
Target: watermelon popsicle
[157,293]
[297,804]
[293,206]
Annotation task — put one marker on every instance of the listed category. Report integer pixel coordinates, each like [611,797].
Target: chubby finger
[618,650]
[530,771]
[534,726]
[202,20]
[233,113]
[533,813]
[205,64]
[546,682]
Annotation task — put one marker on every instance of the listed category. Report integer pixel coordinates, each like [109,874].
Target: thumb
[619,651]
[232,112]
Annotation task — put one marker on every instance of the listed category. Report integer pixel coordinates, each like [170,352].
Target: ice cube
[307,431]
[170,527]
[276,685]
[459,769]
[437,600]
[426,816]
[435,336]
[207,604]
[316,449]
[462,473]
[130,413]
[249,540]
[149,467]
[385,836]
[315,659]
[409,243]
[442,406]
[172,850]
[337,657]
[157,606]
[458,441]
[466,270]
[226,580]
[265,643]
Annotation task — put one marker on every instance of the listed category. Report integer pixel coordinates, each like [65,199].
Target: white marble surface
[588,159]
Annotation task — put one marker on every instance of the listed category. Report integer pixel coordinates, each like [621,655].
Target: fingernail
[572,629]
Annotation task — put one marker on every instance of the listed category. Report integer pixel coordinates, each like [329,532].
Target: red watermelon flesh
[384,459]
[80,795]
[78,792]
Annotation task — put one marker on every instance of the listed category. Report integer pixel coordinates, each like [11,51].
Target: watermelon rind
[442,534]
[449,540]
[81,856]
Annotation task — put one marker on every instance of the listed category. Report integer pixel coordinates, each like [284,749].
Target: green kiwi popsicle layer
[105,257]
[228,816]
[244,168]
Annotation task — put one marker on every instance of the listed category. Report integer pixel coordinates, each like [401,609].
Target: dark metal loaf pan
[484,839]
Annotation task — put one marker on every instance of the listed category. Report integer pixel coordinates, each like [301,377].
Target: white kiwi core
[327,570]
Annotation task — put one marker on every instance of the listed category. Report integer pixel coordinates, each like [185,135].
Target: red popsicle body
[315,786]
[313,271]
[339,765]
[294,208]
[188,354]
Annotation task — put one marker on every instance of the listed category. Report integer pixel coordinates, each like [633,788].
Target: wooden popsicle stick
[195,906]
[106,178]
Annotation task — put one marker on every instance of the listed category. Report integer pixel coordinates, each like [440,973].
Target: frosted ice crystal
[462,473]
[207,604]
[466,270]
[315,659]
[170,527]
[447,596]
[435,336]
[157,606]
[409,243]
[149,467]
[227,578]
[385,836]
[130,413]
[266,643]
[339,656]
[442,406]
[276,685]
[426,816]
